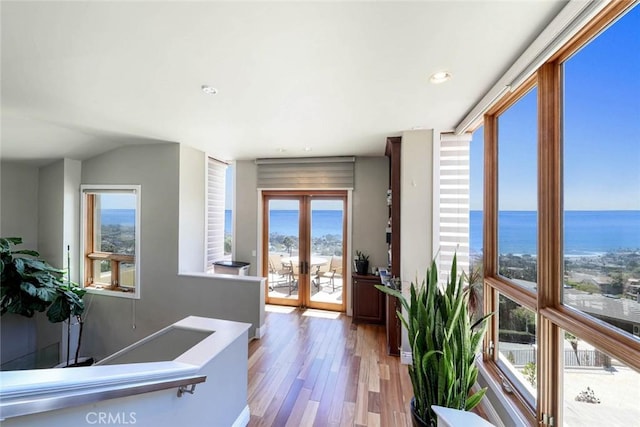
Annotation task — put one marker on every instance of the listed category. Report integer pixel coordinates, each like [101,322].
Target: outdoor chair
[279,273]
[333,273]
[294,274]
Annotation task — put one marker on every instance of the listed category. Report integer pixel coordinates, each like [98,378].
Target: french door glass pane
[326,250]
[517,191]
[284,220]
[602,177]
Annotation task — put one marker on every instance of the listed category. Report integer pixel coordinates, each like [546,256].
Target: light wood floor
[313,370]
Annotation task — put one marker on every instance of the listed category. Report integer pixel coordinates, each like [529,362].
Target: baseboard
[406,358]
[260,332]
[243,418]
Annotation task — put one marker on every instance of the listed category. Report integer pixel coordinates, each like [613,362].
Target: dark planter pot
[362,267]
[415,418]
[82,361]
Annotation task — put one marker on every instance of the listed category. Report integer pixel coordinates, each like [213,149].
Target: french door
[303,246]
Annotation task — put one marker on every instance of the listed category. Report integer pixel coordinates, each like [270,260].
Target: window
[517,345]
[602,178]
[111,239]
[476,174]
[219,212]
[517,191]
[512,242]
[570,337]
[598,389]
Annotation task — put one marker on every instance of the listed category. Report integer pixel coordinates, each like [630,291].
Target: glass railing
[47,357]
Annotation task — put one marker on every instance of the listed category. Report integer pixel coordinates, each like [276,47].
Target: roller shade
[307,173]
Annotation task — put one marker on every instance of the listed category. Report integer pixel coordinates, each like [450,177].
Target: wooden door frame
[304,234]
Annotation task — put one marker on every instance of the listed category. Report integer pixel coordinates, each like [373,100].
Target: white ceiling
[81,78]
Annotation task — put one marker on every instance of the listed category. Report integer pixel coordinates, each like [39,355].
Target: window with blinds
[454,202]
[219,175]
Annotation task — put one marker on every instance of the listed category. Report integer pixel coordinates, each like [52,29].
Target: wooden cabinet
[392,304]
[368,302]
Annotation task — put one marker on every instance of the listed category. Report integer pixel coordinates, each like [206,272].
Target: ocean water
[118,216]
[323,222]
[586,232]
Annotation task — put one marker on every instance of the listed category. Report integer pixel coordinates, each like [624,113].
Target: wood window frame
[90,255]
[553,317]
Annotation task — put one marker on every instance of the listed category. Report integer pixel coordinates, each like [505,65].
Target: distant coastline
[587,233]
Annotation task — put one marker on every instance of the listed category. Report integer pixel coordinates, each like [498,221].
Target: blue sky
[117,201]
[601,130]
[328,205]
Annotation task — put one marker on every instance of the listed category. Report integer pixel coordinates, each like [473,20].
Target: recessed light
[281,150]
[307,148]
[209,90]
[440,77]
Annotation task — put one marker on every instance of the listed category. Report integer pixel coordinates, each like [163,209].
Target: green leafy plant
[360,256]
[530,373]
[30,284]
[361,262]
[444,343]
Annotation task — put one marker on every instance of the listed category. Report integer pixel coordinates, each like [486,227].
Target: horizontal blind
[310,172]
[454,203]
[216,171]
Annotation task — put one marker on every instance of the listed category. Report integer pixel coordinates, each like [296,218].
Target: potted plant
[361,262]
[444,344]
[30,284]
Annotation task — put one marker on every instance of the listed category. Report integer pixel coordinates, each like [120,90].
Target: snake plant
[444,343]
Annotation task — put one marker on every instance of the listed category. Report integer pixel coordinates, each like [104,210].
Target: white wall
[416,204]
[18,218]
[19,202]
[51,213]
[246,214]
[112,322]
[370,210]
[71,216]
[416,210]
[192,210]
[58,208]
